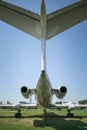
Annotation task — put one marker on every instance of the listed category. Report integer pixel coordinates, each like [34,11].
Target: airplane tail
[43,35]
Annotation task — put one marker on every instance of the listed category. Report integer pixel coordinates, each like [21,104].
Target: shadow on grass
[61,122]
[32,116]
[49,115]
[56,121]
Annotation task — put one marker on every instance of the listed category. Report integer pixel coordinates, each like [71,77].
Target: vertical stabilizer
[43,35]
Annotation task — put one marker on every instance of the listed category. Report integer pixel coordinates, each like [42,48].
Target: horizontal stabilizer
[65,18]
[56,23]
[20,18]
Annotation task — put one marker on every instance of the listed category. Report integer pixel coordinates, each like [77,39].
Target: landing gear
[18,114]
[69,114]
[44,116]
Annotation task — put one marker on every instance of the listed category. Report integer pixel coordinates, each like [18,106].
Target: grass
[32,120]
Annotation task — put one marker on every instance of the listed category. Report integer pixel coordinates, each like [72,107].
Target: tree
[83,102]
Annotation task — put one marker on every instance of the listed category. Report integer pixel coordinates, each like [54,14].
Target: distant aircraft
[43,27]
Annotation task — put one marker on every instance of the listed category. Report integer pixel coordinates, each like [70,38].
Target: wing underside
[57,21]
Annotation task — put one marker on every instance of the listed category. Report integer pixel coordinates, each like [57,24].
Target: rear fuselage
[44,90]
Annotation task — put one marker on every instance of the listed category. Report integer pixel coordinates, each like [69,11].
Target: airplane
[65,105]
[43,27]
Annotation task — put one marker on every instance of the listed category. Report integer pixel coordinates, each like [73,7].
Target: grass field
[33,120]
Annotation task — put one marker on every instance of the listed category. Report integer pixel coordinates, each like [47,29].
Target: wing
[81,106]
[10,106]
[20,18]
[65,18]
[30,105]
[68,106]
[6,105]
[18,106]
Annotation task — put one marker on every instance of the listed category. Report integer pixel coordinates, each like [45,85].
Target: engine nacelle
[60,93]
[25,92]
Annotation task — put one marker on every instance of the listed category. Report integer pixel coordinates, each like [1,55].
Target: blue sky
[20,56]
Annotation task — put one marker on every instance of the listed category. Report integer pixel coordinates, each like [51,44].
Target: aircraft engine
[61,92]
[25,92]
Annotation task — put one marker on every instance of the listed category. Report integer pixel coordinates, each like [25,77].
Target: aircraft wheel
[44,115]
[18,115]
[70,115]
